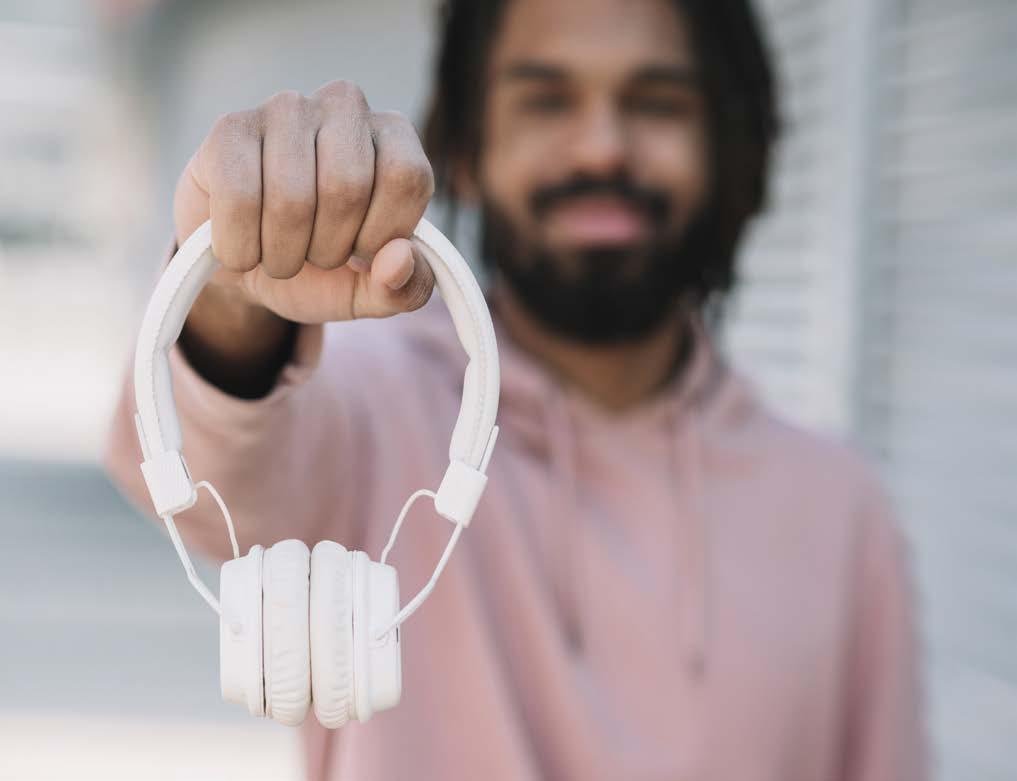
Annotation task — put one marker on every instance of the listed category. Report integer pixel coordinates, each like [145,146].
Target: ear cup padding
[331,611]
[241,676]
[285,584]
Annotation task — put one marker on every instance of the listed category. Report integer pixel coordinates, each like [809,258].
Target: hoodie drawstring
[568,576]
[693,541]
[565,531]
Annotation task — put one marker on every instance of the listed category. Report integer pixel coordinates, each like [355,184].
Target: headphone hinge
[459,492]
[169,483]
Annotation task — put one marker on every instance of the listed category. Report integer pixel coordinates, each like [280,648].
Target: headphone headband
[166,475]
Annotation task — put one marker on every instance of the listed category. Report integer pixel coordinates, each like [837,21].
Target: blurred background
[878,302]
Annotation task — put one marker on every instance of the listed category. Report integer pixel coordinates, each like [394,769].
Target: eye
[666,106]
[545,103]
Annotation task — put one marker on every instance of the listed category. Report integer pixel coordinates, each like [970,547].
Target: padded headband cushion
[465,301]
[193,265]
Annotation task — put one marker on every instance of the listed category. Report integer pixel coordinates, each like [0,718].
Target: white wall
[881,303]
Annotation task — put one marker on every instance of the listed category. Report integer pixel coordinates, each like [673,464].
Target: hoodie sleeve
[258,453]
[885,736]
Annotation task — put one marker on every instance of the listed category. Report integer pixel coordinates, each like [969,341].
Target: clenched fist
[312,202]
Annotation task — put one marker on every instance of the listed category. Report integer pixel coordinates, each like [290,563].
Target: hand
[312,201]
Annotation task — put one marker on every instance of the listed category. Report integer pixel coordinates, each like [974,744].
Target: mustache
[654,204]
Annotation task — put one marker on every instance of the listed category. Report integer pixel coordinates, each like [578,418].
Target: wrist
[238,346]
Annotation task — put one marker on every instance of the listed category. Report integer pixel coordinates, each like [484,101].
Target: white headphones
[322,627]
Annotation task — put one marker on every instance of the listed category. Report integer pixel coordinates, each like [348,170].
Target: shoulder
[824,477]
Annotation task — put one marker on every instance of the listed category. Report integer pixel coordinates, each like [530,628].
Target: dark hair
[738,86]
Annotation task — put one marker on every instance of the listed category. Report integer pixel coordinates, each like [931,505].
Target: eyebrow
[524,70]
[675,75]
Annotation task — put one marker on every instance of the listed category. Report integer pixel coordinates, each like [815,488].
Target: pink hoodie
[691,590]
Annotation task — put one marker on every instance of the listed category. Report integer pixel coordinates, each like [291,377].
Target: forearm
[235,346]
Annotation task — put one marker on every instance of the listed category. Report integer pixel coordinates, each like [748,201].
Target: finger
[345,173]
[318,296]
[403,184]
[289,184]
[400,280]
[228,166]
[189,212]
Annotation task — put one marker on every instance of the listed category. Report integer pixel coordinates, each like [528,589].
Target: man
[663,580]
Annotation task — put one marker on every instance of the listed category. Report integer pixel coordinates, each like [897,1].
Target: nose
[600,146]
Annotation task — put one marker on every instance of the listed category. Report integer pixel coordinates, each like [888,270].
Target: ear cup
[377,679]
[285,585]
[241,677]
[331,633]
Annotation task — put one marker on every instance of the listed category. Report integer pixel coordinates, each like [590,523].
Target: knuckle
[409,178]
[241,197]
[230,157]
[241,260]
[280,258]
[246,262]
[391,118]
[348,190]
[409,170]
[326,260]
[235,249]
[230,126]
[290,208]
[280,270]
[343,92]
[226,123]
[286,103]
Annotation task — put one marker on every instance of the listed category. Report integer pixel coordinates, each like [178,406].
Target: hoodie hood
[552,418]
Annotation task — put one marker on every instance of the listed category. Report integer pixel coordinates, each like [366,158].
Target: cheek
[505,185]
[676,160]
[517,159]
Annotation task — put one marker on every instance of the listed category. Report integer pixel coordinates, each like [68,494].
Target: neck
[616,377]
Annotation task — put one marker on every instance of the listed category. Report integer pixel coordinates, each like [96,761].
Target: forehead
[591,36]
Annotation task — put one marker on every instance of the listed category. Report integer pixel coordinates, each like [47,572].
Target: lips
[596,220]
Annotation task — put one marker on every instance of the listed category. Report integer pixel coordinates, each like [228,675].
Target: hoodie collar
[526,380]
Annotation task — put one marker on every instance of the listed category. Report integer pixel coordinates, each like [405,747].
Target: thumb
[399,280]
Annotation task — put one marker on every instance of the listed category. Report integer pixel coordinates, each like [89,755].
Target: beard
[605,295]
